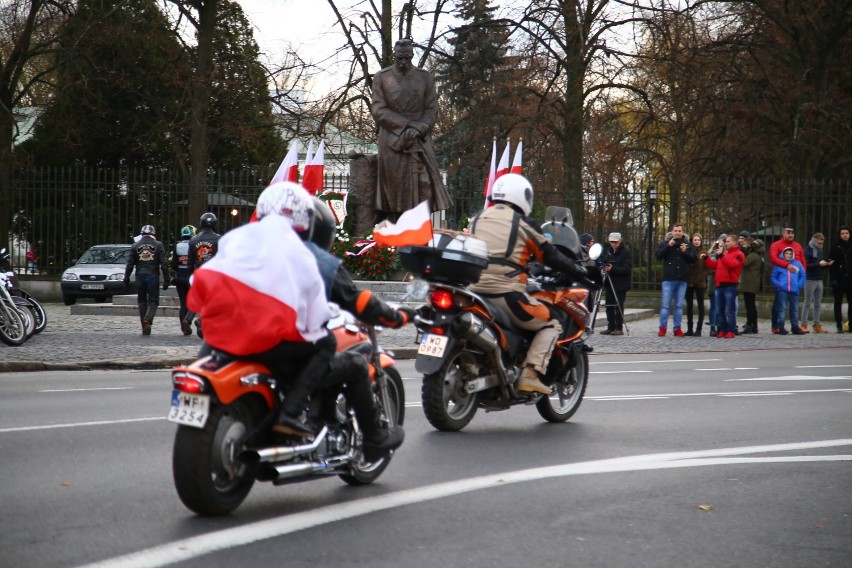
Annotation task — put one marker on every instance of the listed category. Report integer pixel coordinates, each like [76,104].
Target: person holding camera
[617,264]
[677,255]
[696,288]
[728,265]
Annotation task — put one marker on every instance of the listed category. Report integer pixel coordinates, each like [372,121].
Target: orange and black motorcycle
[470,354]
[225,408]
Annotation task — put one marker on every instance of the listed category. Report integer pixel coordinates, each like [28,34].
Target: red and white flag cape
[252,296]
[289,168]
[312,180]
[414,227]
[516,163]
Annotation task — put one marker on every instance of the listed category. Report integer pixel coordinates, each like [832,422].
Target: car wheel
[68,300]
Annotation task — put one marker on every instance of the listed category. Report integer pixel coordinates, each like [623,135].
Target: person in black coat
[617,264]
[840,275]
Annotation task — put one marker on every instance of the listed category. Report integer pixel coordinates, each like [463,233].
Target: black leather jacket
[148,256]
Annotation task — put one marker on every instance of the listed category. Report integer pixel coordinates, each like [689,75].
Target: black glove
[404,315]
[165,285]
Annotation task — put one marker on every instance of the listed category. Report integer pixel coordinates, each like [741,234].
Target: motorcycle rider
[514,239]
[202,247]
[270,281]
[180,262]
[147,255]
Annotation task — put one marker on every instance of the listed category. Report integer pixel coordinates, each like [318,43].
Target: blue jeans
[726,308]
[783,300]
[672,290]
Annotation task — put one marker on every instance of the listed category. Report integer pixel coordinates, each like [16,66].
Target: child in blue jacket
[787,284]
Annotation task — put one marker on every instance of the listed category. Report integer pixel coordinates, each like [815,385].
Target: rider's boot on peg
[378,441]
[530,381]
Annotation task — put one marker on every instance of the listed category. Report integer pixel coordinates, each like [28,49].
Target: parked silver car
[98,274]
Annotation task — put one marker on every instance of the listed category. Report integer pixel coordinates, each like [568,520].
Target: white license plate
[189,409]
[91,287]
[433,345]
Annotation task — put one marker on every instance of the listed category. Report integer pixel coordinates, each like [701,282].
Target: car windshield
[114,255]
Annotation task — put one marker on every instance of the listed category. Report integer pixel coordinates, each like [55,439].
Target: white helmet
[514,189]
[288,199]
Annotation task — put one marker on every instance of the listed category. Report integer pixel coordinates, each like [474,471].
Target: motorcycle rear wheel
[40,315]
[564,402]
[208,479]
[446,403]
[364,473]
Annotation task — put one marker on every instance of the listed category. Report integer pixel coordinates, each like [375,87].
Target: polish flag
[252,287]
[289,168]
[489,181]
[312,180]
[414,227]
[503,166]
[516,163]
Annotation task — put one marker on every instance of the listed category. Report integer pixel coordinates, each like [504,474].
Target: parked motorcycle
[13,321]
[21,297]
[471,355]
[225,408]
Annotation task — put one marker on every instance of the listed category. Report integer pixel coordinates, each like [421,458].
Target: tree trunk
[573,113]
[200,108]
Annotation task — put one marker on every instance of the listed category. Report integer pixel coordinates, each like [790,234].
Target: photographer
[677,255]
[616,263]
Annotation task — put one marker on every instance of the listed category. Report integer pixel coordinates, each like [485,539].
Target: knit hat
[745,234]
[614,237]
[787,249]
[586,238]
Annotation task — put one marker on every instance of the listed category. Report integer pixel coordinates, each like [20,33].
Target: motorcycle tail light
[188,383]
[441,299]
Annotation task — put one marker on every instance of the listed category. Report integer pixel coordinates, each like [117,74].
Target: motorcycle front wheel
[568,393]
[364,473]
[208,478]
[447,404]
[13,328]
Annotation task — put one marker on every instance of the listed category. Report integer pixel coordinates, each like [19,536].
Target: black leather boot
[713,331]
[698,331]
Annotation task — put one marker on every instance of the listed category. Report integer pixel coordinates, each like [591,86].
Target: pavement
[81,342]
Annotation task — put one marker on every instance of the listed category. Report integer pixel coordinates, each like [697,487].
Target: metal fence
[60,212]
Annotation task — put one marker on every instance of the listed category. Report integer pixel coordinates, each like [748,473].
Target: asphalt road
[699,459]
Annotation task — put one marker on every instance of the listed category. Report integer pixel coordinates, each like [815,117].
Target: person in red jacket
[785,241]
[728,265]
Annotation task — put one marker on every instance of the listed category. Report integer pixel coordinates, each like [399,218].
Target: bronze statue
[405,108]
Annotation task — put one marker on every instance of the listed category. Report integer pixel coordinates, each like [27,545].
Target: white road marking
[184,550]
[79,424]
[89,390]
[690,394]
[819,366]
[616,372]
[652,361]
[797,378]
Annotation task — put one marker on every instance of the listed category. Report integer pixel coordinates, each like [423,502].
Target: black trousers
[147,296]
[838,304]
[698,295]
[751,308]
[182,288]
[615,308]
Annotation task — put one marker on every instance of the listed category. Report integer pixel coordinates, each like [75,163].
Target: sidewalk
[77,342]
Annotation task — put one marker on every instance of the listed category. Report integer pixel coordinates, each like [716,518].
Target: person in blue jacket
[787,284]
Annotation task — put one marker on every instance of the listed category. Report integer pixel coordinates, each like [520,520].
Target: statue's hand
[409,136]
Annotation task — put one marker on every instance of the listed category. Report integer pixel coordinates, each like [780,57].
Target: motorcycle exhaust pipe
[281,473]
[473,329]
[281,453]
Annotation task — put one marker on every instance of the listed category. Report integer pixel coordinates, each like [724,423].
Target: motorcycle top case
[450,257]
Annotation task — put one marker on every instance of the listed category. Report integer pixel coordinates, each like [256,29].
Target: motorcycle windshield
[558,225]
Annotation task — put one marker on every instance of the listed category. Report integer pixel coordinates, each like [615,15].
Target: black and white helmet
[148,230]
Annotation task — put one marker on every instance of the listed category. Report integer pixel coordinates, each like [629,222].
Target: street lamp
[652,201]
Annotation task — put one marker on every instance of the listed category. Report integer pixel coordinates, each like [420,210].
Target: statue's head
[403,51]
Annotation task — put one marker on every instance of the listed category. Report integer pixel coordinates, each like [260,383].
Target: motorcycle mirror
[595,251]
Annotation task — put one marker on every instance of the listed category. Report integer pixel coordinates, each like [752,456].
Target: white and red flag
[289,168]
[489,181]
[252,286]
[414,227]
[517,162]
[503,166]
[312,180]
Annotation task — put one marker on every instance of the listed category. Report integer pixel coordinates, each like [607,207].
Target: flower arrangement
[365,259]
